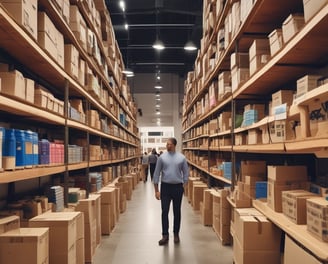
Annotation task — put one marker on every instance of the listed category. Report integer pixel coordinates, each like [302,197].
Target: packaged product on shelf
[8,223]
[13,83]
[311,7]
[281,97]
[307,83]
[294,205]
[317,217]
[291,26]
[276,41]
[78,26]
[19,8]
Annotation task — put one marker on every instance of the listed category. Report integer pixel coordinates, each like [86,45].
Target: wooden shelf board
[265,148]
[298,232]
[220,178]
[25,174]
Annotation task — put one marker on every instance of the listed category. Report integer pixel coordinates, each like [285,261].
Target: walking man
[172,172]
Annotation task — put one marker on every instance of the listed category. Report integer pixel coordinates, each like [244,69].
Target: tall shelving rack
[115,104]
[305,53]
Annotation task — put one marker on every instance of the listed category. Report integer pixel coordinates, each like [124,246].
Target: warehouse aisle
[135,237]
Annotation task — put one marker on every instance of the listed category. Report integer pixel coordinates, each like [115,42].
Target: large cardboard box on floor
[25,245]
[206,215]
[62,235]
[198,190]
[108,209]
[9,223]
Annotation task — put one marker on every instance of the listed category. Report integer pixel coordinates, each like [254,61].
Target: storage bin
[44,149]
[9,149]
[20,148]
[28,147]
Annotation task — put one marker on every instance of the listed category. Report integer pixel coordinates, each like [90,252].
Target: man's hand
[158,195]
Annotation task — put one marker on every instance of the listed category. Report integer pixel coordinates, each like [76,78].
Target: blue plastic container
[28,147]
[20,148]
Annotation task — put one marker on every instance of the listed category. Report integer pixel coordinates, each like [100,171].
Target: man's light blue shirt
[172,167]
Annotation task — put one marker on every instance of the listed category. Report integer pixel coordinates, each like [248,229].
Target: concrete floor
[135,237]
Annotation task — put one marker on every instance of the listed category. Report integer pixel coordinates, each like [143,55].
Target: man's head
[170,144]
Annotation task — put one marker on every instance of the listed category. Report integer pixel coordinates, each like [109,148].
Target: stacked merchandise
[56,196]
[95,181]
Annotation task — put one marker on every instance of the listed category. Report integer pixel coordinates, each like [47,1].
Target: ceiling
[174,22]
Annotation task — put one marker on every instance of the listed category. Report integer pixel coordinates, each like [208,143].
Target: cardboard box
[259,47]
[239,60]
[41,97]
[253,168]
[62,234]
[282,97]
[258,62]
[242,256]
[240,139]
[19,8]
[287,173]
[29,90]
[311,7]
[78,25]
[198,190]
[257,233]
[317,217]
[275,188]
[238,77]
[276,41]
[254,136]
[46,43]
[206,215]
[9,223]
[294,205]
[13,84]
[295,253]
[281,131]
[25,245]
[291,26]
[306,84]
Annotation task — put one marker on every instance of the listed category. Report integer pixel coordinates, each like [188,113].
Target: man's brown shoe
[163,241]
[176,239]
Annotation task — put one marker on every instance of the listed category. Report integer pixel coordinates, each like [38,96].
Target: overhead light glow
[122,5]
[190,46]
[158,86]
[126,26]
[159,45]
[158,113]
[127,71]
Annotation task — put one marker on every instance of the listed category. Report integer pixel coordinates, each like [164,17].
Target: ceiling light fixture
[126,26]
[158,45]
[190,46]
[128,71]
[122,5]
[157,86]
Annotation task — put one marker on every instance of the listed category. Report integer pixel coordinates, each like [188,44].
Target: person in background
[144,164]
[152,162]
[172,172]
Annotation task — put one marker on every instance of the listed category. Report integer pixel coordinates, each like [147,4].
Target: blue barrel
[28,147]
[9,149]
[44,151]
[35,140]
[20,148]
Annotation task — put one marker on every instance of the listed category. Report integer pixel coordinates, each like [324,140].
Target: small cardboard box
[239,60]
[294,205]
[259,47]
[281,97]
[257,62]
[287,173]
[13,83]
[311,7]
[292,24]
[307,83]
[276,41]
